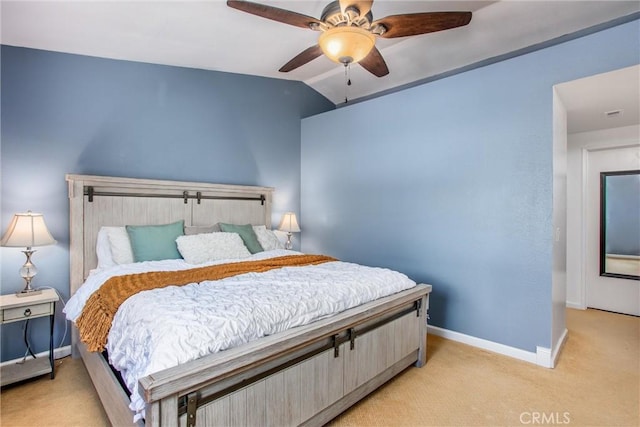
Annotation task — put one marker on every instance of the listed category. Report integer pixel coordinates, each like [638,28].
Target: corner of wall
[548,358]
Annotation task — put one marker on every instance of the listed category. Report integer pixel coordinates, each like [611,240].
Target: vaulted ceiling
[210,35]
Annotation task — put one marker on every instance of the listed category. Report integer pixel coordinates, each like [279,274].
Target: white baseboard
[548,357]
[558,347]
[542,356]
[57,354]
[576,305]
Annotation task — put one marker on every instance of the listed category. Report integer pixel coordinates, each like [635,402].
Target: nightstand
[17,309]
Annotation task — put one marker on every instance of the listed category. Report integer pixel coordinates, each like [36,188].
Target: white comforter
[157,329]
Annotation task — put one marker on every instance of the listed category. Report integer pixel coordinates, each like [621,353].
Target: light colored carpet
[596,383]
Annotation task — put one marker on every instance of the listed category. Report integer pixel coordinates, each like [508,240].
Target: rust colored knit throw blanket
[97,315]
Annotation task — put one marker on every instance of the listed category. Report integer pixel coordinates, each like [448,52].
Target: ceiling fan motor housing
[332,16]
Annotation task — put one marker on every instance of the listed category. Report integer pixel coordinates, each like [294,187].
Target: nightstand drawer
[26,312]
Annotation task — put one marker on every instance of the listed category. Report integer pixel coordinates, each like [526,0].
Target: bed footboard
[305,376]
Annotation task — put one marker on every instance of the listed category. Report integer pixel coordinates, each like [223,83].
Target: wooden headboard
[96,201]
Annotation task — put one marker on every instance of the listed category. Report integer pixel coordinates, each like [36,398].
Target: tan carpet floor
[595,383]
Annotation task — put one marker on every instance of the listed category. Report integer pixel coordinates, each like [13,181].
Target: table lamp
[27,230]
[289,223]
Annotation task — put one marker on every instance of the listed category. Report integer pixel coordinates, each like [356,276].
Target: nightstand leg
[26,338]
[51,322]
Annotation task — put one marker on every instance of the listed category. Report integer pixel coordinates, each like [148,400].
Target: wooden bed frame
[303,376]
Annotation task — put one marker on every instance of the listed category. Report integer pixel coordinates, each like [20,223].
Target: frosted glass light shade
[346,45]
[27,230]
[289,223]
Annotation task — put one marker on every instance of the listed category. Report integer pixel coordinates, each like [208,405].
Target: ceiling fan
[348,31]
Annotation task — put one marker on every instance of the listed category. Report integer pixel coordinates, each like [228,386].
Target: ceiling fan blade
[374,63]
[302,58]
[274,13]
[364,6]
[421,23]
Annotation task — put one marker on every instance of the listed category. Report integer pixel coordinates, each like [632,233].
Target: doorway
[618,294]
[603,120]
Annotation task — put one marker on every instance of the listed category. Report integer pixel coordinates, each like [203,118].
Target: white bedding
[158,329]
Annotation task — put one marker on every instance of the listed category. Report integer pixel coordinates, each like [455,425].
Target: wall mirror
[620,224]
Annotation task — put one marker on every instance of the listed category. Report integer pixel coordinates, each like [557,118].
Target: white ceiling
[588,100]
[209,35]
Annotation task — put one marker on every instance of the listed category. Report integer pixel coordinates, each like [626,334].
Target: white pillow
[200,248]
[103,249]
[282,236]
[120,245]
[113,247]
[267,238]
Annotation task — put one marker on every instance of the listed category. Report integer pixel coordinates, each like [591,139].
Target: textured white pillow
[267,238]
[200,248]
[113,247]
[121,251]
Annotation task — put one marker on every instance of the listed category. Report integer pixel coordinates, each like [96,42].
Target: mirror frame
[603,210]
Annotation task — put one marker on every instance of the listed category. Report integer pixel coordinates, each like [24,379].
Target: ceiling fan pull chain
[347,81]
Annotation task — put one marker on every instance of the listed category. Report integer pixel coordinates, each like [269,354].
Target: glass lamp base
[28,271]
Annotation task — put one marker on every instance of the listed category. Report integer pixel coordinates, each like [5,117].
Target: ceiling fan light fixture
[346,45]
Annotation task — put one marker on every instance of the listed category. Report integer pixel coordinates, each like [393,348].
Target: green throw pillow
[155,242]
[246,233]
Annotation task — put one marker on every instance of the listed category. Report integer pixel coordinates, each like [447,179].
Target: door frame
[579,145]
[582,259]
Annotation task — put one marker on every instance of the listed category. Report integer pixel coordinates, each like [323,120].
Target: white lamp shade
[27,230]
[289,223]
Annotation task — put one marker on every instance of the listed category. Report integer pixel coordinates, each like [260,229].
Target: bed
[304,375]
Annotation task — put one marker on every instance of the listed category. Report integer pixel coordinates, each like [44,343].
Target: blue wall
[451,183]
[74,114]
